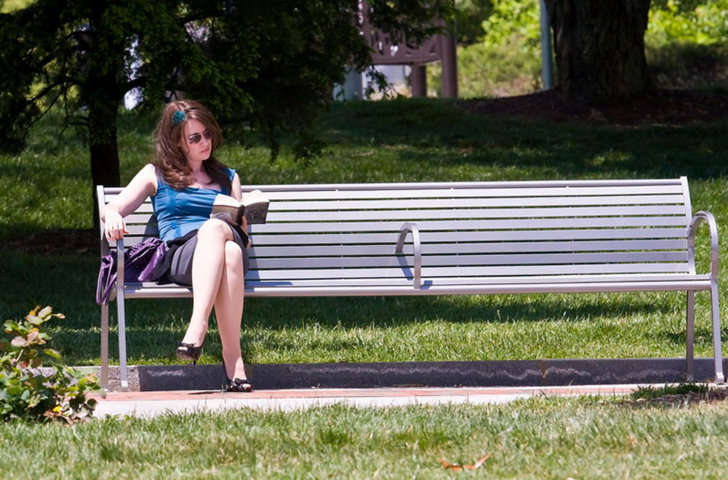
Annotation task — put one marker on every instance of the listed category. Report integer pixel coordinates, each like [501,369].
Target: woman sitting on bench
[207,253]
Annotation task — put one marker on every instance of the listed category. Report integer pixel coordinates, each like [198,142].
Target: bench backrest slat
[474,213]
[467,248]
[567,235]
[469,225]
[569,189]
[341,205]
[491,259]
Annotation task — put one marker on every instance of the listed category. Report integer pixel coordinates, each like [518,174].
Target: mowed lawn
[541,438]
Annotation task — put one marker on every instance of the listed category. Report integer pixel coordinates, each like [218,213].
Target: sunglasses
[196,137]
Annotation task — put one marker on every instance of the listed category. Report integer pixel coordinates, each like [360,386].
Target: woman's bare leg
[208,265]
[229,310]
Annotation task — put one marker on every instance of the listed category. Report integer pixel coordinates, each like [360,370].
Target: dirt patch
[664,107]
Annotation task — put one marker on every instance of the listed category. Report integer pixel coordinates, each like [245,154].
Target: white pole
[352,89]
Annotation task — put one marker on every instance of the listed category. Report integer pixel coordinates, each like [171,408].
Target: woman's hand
[114,225]
[143,185]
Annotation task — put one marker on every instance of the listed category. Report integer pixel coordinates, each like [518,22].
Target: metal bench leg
[690,337]
[123,377]
[717,350]
[105,346]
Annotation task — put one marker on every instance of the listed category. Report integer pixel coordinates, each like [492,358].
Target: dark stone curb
[516,373]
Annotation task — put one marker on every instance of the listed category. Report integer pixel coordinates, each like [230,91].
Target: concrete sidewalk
[148,404]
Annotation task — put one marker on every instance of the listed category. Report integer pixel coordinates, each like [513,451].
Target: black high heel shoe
[187,351]
[236,384]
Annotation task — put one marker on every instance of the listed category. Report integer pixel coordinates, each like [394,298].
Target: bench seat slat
[579,287]
[479,271]
[443,281]
[251,285]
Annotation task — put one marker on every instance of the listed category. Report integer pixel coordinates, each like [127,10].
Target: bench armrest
[120,264]
[412,228]
[703,216]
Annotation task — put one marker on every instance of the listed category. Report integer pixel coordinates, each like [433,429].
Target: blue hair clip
[178,117]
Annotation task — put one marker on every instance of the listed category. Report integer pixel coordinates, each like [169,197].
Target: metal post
[546,62]
[449,66]
[690,337]
[105,345]
[121,315]
[418,80]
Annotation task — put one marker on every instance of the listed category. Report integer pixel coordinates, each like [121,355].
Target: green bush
[499,71]
[514,18]
[507,59]
[686,43]
[688,22]
[30,391]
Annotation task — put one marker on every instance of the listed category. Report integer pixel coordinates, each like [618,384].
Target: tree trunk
[104,152]
[101,94]
[600,48]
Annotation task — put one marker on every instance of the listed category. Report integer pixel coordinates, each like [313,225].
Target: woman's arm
[143,185]
[237,193]
[235,187]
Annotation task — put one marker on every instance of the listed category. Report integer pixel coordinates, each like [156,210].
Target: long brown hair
[170,159]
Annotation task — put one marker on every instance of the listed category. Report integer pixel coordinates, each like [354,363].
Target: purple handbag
[139,262]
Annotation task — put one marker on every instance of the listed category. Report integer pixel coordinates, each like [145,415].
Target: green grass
[48,187]
[650,392]
[540,438]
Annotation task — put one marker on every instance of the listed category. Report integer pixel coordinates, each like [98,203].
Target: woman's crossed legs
[217,280]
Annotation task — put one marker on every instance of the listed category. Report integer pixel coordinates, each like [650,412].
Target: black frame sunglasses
[196,137]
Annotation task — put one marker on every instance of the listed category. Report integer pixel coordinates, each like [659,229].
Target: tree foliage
[271,64]
[469,17]
[696,22]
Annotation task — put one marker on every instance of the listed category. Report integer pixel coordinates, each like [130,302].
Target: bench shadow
[284,313]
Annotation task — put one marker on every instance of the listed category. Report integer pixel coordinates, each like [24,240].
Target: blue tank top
[179,212]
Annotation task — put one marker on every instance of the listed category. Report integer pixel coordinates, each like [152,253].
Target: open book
[254,206]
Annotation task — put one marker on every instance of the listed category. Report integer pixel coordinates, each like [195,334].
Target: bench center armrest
[412,228]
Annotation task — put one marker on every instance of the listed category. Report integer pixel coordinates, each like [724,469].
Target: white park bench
[461,239]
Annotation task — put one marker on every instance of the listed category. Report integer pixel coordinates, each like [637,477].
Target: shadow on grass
[284,313]
[565,150]
[703,335]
